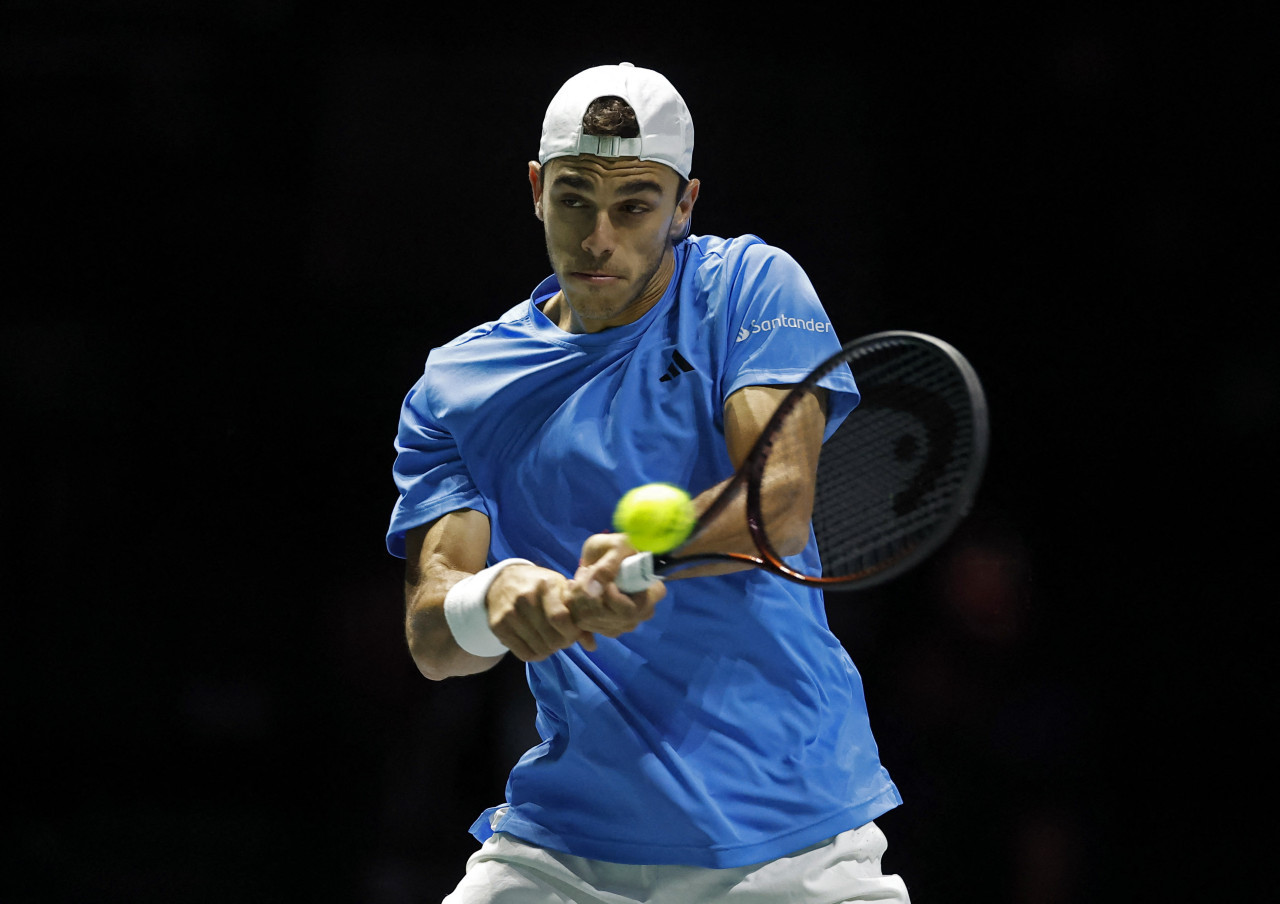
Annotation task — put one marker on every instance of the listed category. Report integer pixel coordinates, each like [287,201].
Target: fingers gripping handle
[636,573]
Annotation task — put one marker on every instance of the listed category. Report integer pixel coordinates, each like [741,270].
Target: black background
[236,229]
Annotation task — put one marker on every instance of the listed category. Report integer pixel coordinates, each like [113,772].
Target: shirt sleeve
[780,331]
[428,471]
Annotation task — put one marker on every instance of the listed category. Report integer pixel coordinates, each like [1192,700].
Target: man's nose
[603,238]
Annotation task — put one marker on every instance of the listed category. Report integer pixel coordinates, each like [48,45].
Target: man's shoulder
[518,321]
[710,253]
[720,247]
[498,326]
[745,263]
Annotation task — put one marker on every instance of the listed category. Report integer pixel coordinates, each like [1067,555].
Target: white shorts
[845,868]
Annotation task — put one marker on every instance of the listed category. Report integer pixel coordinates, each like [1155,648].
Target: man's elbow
[430,643]
[432,667]
[792,533]
[437,655]
[792,543]
[451,663]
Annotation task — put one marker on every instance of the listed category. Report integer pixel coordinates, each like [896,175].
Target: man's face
[608,224]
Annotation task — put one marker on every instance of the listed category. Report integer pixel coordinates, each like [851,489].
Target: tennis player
[706,740]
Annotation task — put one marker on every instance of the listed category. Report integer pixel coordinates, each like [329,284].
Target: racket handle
[636,573]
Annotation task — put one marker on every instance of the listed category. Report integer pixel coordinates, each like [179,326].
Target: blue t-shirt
[731,727]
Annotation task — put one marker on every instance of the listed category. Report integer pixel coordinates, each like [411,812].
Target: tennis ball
[656,517]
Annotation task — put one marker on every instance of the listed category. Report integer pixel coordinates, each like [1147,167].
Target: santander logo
[783,323]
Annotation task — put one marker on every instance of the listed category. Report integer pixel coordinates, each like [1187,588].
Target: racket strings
[893,473]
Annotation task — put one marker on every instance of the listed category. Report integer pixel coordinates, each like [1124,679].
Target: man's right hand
[596,602]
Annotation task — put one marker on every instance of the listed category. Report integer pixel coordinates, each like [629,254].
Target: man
[704,740]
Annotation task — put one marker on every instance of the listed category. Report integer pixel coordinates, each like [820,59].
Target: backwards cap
[666,128]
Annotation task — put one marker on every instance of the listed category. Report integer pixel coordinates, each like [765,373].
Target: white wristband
[467,613]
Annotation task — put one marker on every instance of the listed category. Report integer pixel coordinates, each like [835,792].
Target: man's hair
[613,117]
[610,117]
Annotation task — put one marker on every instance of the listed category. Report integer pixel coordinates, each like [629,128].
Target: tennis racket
[893,481]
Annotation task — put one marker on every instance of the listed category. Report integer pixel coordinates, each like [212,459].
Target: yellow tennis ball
[656,517]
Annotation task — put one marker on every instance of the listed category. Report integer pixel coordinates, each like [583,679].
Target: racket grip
[636,573]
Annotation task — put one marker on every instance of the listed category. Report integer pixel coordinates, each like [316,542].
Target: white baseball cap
[666,128]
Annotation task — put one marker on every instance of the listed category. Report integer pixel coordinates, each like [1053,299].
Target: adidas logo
[678,366]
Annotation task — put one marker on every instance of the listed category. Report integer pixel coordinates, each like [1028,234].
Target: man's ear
[535,182]
[683,219]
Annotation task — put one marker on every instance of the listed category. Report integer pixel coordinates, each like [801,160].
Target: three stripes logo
[678,366]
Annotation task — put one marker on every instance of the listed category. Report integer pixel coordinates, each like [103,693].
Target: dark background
[236,229]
